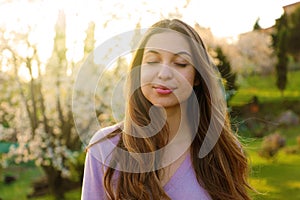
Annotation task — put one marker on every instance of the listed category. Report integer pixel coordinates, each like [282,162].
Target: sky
[232,17]
[225,18]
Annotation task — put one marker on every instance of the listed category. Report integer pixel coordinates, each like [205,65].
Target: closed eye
[152,62]
[181,64]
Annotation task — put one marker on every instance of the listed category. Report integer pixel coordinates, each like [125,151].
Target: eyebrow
[184,52]
[176,54]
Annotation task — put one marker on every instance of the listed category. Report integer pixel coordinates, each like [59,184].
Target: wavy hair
[222,172]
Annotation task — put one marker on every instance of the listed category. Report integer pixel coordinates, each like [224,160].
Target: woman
[176,141]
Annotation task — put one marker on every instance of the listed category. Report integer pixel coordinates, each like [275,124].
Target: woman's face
[167,73]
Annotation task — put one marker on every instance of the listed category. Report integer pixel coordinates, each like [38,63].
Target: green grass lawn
[70,195]
[19,189]
[264,87]
[278,178]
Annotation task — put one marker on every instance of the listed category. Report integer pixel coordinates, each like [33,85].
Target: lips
[160,89]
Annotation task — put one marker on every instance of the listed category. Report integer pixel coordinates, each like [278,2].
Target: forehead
[169,41]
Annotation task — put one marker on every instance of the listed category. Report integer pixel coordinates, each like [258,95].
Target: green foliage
[281,69]
[226,73]
[256,26]
[76,167]
[280,45]
[293,35]
[286,42]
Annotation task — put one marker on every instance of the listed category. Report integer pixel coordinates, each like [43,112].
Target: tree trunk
[55,181]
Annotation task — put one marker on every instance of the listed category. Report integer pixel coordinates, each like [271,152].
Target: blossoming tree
[36,111]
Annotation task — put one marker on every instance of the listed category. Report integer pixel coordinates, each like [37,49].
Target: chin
[166,104]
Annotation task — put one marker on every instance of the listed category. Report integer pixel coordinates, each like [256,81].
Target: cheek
[191,80]
[146,75]
[143,76]
[189,77]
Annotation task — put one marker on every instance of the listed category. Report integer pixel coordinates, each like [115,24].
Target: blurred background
[255,45]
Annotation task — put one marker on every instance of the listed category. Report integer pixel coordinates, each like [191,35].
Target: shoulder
[98,158]
[103,133]
[101,145]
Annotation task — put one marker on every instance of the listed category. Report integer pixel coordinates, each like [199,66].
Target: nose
[165,72]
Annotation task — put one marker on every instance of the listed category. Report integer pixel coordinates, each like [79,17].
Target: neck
[177,119]
[180,133]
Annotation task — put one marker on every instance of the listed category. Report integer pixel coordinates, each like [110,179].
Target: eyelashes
[175,63]
[181,64]
[152,63]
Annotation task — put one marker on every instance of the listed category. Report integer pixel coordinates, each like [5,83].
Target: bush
[76,167]
[271,145]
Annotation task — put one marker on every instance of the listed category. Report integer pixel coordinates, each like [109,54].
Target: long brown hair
[222,172]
